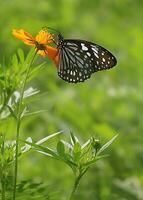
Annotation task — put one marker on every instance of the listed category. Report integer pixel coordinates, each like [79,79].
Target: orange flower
[40,42]
[24,36]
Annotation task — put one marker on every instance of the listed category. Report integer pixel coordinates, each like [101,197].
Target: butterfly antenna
[49,28]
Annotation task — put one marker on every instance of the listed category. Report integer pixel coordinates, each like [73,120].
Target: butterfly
[79,59]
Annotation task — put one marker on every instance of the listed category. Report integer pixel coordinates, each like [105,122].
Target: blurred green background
[109,103]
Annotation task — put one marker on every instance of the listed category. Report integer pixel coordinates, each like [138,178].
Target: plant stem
[3,184]
[76,182]
[2,173]
[19,124]
[4,104]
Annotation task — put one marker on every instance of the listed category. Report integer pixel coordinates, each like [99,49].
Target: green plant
[79,157]
[7,157]
[13,81]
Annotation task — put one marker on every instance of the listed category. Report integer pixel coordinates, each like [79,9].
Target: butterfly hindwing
[79,59]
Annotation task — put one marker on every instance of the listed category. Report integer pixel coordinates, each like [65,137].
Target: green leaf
[77,148]
[12,112]
[87,151]
[35,113]
[30,56]
[45,150]
[30,92]
[61,148]
[36,70]
[87,164]
[68,145]
[96,143]
[76,152]
[27,147]
[73,138]
[49,152]
[86,144]
[21,55]
[14,60]
[48,137]
[105,146]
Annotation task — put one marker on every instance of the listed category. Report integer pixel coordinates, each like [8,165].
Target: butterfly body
[79,59]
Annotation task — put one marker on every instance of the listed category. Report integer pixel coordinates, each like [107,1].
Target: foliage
[79,157]
[110,102]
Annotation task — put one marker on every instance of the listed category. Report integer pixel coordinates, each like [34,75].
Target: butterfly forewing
[79,59]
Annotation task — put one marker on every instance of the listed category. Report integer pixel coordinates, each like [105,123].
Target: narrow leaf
[27,147]
[21,55]
[86,144]
[30,56]
[48,137]
[76,152]
[87,164]
[105,146]
[36,70]
[68,145]
[12,112]
[73,138]
[61,148]
[44,150]
[30,92]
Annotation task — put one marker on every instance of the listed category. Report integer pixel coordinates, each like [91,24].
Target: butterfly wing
[78,59]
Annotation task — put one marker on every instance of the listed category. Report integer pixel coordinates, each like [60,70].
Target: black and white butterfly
[78,59]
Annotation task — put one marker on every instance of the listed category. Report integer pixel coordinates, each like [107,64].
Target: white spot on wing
[95,49]
[103,59]
[96,55]
[84,48]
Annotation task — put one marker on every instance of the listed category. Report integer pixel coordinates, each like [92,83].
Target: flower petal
[44,37]
[41,53]
[53,54]
[24,36]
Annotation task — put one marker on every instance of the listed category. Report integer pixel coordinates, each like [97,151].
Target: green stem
[3,184]
[5,104]
[2,173]
[19,125]
[75,186]
[76,182]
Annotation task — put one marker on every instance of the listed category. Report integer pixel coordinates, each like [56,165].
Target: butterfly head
[60,39]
